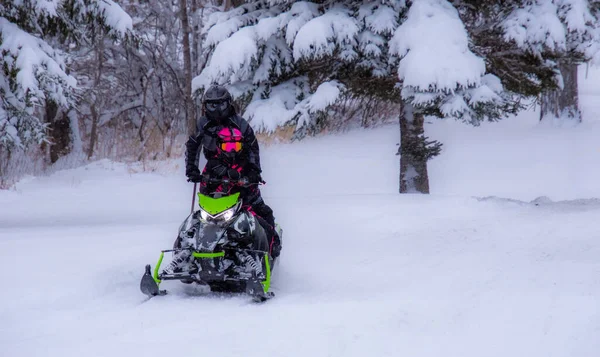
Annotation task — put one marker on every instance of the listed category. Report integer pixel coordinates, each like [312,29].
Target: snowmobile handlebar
[262,252]
[244,182]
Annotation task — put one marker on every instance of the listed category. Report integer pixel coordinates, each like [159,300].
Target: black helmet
[217,102]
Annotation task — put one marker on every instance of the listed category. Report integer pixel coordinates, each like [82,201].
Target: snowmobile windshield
[215,206]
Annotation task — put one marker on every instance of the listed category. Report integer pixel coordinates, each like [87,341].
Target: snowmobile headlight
[205,215]
[221,217]
[227,215]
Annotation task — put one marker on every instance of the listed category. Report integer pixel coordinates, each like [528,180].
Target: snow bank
[364,270]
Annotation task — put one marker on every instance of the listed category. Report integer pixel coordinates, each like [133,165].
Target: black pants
[265,217]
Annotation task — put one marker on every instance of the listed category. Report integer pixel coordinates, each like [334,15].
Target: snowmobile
[226,247]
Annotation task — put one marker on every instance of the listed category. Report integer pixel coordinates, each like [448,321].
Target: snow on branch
[536,26]
[582,26]
[46,7]
[31,72]
[231,60]
[29,57]
[279,108]
[438,71]
[378,18]
[558,26]
[299,14]
[223,30]
[326,94]
[434,46]
[576,14]
[251,41]
[115,17]
[321,35]
[284,104]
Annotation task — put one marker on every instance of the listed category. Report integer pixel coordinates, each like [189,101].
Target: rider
[231,151]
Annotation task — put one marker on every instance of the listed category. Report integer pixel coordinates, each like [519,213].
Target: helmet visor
[231,146]
[212,106]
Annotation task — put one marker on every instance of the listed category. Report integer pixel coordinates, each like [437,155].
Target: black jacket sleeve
[192,148]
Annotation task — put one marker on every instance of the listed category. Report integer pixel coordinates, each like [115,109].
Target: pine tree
[565,33]
[293,60]
[34,72]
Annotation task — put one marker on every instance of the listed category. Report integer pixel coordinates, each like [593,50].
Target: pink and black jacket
[207,137]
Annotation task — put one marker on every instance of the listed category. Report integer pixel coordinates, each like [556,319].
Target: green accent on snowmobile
[267,283]
[215,206]
[162,254]
[208,255]
[195,254]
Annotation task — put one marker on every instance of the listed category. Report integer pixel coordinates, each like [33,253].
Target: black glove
[218,171]
[234,174]
[193,175]
[254,177]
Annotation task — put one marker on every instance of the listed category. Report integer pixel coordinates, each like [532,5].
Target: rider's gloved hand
[193,175]
[218,171]
[234,174]
[254,177]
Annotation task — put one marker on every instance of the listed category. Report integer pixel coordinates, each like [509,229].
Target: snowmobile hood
[215,206]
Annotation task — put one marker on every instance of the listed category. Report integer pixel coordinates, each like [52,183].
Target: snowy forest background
[83,80]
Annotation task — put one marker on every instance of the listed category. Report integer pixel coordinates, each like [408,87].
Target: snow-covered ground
[474,269]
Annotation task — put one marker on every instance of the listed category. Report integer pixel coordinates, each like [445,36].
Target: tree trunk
[99,48]
[413,163]
[50,111]
[59,131]
[75,132]
[562,104]
[5,156]
[94,132]
[195,37]
[187,64]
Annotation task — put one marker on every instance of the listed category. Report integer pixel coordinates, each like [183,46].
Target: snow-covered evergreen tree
[565,33]
[292,60]
[288,60]
[33,67]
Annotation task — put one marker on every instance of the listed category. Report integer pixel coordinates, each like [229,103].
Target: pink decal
[230,134]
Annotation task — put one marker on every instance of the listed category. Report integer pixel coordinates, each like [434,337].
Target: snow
[269,26]
[537,24]
[501,259]
[558,25]
[281,106]
[453,106]
[319,36]
[326,94]
[231,60]
[222,30]
[301,13]
[433,27]
[116,18]
[47,7]
[576,14]
[39,74]
[370,43]
[29,53]
[276,59]
[382,20]
[39,68]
